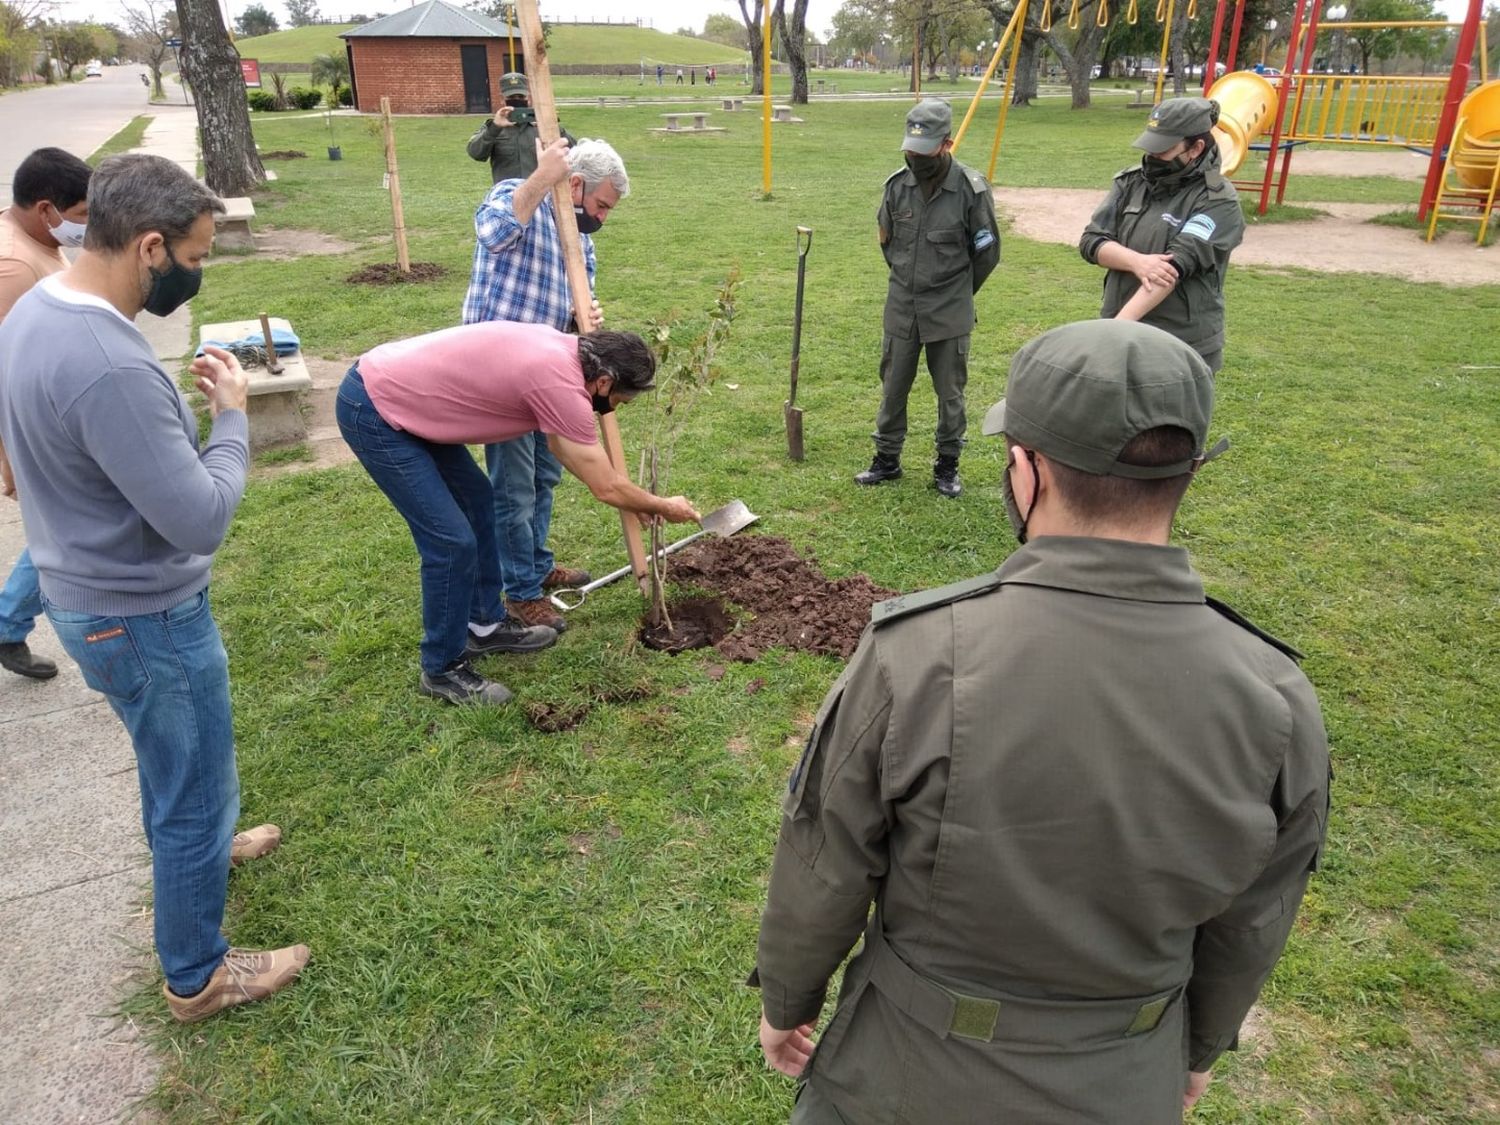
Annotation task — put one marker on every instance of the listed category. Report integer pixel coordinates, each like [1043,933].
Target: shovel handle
[804,247]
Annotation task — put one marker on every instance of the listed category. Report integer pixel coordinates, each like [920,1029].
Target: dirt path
[1343,242]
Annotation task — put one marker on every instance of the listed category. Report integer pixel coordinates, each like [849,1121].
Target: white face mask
[69,233]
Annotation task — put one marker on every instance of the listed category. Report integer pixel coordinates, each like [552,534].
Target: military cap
[927,125]
[513,83]
[1176,120]
[1082,392]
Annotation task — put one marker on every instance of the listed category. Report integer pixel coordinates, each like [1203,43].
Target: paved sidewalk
[75,877]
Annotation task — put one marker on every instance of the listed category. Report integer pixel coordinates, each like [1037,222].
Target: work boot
[566,578]
[536,611]
[945,476]
[883,468]
[511,635]
[243,976]
[16,657]
[253,843]
[459,683]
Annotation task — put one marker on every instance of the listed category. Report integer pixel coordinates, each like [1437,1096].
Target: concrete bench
[275,406]
[232,228]
[605,103]
[825,87]
[1143,97]
[783,114]
[700,123]
[733,104]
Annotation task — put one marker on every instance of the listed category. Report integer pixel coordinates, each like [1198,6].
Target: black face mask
[1018,519]
[602,405]
[1154,168]
[587,224]
[171,287]
[927,168]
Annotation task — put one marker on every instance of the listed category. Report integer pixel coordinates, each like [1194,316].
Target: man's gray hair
[134,194]
[595,161]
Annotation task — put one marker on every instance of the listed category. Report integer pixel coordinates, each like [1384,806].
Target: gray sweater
[123,512]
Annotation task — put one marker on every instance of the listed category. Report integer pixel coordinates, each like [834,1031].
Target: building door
[476,78]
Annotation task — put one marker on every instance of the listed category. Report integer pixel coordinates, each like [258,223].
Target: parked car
[93,70]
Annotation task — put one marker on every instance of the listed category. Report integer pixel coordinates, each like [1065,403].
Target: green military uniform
[1193,213]
[1083,800]
[940,249]
[510,149]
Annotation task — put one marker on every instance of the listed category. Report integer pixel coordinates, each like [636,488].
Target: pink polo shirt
[480,383]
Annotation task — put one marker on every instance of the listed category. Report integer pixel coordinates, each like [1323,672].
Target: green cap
[1081,392]
[927,126]
[1176,120]
[513,83]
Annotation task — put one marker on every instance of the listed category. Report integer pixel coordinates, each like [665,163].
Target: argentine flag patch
[983,239]
[1199,226]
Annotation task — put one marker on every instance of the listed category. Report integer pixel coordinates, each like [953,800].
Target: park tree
[149,24]
[330,70]
[300,13]
[723,28]
[72,46]
[1382,43]
[231,166]
[792,30]
[859,26]
[752,16]
[255,20]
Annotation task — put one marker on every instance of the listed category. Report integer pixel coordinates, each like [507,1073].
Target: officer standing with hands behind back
[508,140]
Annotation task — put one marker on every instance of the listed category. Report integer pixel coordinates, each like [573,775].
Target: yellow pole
[765,106]
[984,82]
[1166,38]
[1019,19]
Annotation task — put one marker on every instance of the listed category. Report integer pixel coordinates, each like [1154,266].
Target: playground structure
[1458,130]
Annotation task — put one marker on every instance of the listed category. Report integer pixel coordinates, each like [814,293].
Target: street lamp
[1336,14]
[1265,39]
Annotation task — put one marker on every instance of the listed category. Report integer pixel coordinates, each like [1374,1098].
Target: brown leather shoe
[536,611]
[253,843]
[566,578]
[244,976]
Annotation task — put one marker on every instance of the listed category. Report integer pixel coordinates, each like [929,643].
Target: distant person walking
[679,76]
[659,69]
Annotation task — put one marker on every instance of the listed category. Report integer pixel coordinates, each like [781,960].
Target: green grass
[295,44]
[1286,213]
[126,139]
[512,926]
[1407,220]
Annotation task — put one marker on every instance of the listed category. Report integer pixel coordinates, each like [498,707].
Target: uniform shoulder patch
[892,177]
[1123,172]
[978,183]
[1229,614]
[883,613]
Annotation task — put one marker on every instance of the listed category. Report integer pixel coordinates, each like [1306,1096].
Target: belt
[944,1011]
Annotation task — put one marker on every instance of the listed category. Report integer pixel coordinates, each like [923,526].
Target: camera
[522,115]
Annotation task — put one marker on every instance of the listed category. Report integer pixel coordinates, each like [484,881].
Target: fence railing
[1365,109]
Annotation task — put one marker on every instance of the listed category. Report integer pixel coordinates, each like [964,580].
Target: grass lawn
[125,140]
[512,926]
[295,44]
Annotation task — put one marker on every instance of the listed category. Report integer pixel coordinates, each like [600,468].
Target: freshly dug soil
[794,605]
[554,718]
[696,623]
[284,154]
[388,273]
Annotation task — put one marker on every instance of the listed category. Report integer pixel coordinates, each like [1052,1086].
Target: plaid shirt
[519,272]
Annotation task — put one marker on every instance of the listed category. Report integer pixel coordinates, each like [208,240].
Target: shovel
[791,411]
[723,522]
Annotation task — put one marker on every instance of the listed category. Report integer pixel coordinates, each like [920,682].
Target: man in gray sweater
[123,512]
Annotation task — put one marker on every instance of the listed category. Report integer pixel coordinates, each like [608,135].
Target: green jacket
[1084,802]
[939,252]
[511,151]
[1194,215]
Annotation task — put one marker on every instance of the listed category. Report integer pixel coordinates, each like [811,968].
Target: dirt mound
[284,154]
[388,273]
[794,605]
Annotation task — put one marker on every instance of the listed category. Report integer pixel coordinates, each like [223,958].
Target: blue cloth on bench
[284,338]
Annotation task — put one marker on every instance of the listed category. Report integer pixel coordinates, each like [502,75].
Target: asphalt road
[78,116]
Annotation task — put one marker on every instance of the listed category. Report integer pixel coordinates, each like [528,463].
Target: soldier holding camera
[508,139]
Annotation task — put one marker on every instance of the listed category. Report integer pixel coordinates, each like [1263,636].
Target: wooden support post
[393,181]
[765,108]
[539,82]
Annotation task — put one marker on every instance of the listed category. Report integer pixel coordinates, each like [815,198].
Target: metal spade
[791,411]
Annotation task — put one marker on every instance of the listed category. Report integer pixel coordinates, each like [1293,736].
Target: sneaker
[510,636]
[945,476]
[243,976]
[536,611]
[566,578]
[16,657]
[253,843]
[459,683]
[883,468]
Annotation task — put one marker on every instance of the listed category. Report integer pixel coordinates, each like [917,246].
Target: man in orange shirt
[48,211]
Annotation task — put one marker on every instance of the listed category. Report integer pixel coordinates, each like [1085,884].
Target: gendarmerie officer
[938,235]
[508,139]
[1166,229]
[1083,798]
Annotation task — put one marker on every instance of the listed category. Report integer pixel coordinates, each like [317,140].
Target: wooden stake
[393,181]
[539,82]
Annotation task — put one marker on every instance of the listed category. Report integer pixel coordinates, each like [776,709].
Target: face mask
[1155,168]
[926,168]
[171,287]
[68,233]
[602,405]
[587,224]
[1018,521]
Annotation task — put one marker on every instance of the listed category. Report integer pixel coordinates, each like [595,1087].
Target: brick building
[431,58]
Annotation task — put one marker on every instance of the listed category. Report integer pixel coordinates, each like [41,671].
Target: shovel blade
[732,517]
[793,415]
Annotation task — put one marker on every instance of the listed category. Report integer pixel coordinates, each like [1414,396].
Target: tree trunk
[1179,52]
[1027,64]
[210,63]
[753,34]
[794,43]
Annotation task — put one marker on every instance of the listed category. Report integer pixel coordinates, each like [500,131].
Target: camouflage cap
[1081,392]
[927,125]
[1175,120]
[513,82]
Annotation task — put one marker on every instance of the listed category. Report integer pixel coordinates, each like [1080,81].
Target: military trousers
[814,1108]
[948,364]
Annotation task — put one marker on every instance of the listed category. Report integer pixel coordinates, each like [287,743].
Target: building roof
[432,20]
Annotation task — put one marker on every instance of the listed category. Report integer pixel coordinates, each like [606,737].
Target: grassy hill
[569,44]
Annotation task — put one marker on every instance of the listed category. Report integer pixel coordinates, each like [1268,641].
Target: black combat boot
[945,476]
[883,468]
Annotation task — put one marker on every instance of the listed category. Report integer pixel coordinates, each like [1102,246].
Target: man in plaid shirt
[519,274]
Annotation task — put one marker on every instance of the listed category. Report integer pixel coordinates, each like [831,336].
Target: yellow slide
[1247,102]
[1477,147]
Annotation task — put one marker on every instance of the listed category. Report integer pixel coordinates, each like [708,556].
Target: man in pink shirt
[408,410]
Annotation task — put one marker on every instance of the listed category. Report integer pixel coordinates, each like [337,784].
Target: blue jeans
[445,499]
[167,676]
[523,472]
[20,601]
